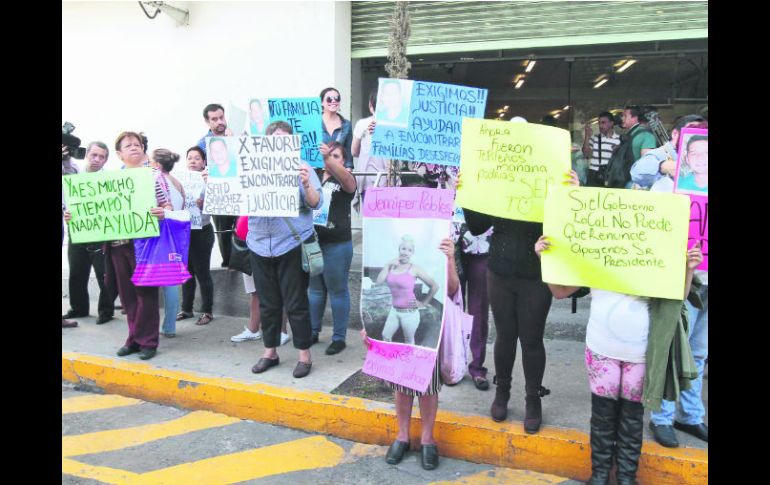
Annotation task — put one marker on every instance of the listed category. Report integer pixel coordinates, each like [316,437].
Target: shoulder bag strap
[296,236]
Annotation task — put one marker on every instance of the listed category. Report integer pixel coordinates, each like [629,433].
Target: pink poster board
[691,178]
[391,216]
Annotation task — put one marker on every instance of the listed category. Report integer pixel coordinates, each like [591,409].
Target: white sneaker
[246,335]
[285,338]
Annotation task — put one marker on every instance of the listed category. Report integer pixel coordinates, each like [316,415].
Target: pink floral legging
[614,378]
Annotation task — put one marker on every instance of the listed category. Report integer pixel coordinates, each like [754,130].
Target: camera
[71,142]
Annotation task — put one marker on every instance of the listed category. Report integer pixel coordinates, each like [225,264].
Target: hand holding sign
[694,256]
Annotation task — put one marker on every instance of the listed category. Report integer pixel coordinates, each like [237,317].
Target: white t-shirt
[365,162]
[618,325]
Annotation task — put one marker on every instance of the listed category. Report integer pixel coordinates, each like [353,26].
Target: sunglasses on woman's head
[333,99]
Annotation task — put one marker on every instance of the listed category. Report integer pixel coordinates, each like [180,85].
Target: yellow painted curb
[557,451]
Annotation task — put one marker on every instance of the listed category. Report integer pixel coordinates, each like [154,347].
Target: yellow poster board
[629,241]
[508,168]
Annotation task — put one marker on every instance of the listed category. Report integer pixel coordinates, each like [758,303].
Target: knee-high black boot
[629,441]
[604,426]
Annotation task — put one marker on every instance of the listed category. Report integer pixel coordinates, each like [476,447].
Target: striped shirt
[602,148]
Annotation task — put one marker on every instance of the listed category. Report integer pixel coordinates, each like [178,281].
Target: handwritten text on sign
[400,363]
[421,121]
[629,241]
[194,188]
[111,205]
[509,168]
[409,202]
[304,116]
[266,181]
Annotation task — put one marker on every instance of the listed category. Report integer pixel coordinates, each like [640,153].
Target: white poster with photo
[253,176]
[194,188]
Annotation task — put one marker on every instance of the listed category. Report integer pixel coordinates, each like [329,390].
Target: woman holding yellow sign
[615,356]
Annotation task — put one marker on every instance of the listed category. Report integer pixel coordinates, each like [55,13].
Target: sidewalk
[201,367]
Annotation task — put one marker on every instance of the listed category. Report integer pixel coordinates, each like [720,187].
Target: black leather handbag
[240,257]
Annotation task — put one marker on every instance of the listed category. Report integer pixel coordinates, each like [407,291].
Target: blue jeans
[334,281]
[171,296]
[690,408]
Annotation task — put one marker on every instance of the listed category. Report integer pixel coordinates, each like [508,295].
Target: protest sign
[692,178]
[321,215]
[421,121]
[629,241]
[699,227]
[509,168]
[258,117]
[403,287]
[304,116]
[253,176]
[194,186]
[111,205]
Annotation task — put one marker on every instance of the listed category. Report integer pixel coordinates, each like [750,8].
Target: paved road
[117,440]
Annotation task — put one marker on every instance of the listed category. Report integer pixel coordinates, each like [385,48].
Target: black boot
[499,408]
[533,410]
[604,426]
[629,447]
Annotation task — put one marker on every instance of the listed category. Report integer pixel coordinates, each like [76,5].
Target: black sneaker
[335,347]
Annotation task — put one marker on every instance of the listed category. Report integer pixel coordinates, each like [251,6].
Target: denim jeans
[334,281]
[171,297]
[690,408]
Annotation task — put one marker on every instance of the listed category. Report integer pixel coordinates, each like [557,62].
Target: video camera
[71,142]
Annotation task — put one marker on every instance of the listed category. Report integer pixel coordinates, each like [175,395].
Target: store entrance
[571,83]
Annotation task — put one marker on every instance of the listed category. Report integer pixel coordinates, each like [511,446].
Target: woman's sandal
[183,316]
[204,319]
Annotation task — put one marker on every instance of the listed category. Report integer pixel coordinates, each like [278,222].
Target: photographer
[82,257]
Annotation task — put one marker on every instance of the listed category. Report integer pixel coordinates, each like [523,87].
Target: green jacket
[669,362]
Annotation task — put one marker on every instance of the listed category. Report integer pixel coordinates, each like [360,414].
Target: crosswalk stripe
[104,474]
[306,454]
[101,441]
[292,456]
[95,402]
[503,476]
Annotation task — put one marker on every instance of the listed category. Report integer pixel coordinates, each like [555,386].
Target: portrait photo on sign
[221,157]
[693,172]
[258,117]
[404,280]
[394,99]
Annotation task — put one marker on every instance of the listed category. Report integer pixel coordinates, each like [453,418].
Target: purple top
[401,288]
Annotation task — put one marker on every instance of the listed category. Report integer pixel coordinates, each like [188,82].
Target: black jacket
[512,245]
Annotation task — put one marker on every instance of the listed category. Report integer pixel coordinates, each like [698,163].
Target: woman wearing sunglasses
[335,127]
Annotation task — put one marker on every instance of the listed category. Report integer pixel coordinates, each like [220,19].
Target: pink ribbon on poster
[409,202]
[402,364]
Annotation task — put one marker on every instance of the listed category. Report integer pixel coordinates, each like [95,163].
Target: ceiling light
[506,107]
[520,83]
[556,115]
[600,83]
[566,108]
[530,65]
[628,64]
[602,76]
[502,114]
